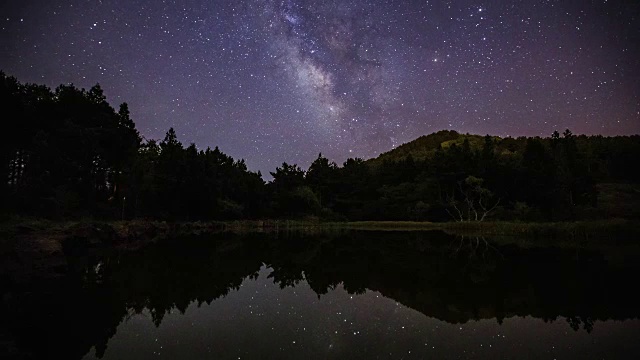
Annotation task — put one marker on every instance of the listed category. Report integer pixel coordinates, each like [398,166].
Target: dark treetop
[69,154]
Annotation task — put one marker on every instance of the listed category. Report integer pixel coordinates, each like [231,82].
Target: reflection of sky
[263,321]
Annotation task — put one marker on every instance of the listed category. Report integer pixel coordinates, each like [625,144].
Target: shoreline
[25,225]
[136,233]
[37,248]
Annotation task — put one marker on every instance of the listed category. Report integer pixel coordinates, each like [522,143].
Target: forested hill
[425,146]
[420,148]
[604,152]
[68,154]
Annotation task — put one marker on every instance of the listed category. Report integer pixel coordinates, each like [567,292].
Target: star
[272,70]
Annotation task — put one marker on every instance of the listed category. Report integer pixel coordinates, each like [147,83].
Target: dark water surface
[362,295]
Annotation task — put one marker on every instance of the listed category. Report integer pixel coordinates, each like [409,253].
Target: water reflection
[286,282]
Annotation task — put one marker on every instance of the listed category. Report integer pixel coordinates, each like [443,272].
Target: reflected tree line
[446,277]
[69,153]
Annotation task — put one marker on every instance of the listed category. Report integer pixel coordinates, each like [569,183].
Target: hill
[72,155]
[424,147]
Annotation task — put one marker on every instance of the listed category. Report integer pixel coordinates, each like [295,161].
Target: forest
[69,154]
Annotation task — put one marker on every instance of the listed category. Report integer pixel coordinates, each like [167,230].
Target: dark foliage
[70,154]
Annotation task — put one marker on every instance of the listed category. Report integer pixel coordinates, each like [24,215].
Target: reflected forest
[450,278]
[71,154]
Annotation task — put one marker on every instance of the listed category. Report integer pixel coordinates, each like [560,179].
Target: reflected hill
[450,278]
[458,279]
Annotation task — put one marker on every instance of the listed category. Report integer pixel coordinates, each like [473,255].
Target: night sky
[274,81]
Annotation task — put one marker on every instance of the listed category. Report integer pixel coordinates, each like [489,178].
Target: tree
[321,177]
[287,177]
[124,117]
[286,183]
[170,175]
[475,202]
[488,150]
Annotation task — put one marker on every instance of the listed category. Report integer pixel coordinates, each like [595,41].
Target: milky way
[273,81]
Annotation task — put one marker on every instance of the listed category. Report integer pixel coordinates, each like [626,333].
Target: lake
[345,294]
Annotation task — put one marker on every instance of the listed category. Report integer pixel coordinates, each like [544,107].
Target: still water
[363,295]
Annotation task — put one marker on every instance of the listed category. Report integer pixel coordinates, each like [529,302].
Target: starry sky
[273,81]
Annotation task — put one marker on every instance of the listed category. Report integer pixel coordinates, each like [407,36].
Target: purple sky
[273,81]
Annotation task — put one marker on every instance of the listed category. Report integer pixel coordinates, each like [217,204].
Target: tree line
[70,154]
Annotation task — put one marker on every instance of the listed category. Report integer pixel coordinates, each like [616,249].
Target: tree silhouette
[70,154]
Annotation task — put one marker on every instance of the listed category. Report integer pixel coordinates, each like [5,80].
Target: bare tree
[474,202]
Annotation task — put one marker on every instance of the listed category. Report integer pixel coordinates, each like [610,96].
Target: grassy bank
[136,232]
[487,227]
[585,229]
[35,246]
[29,234]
